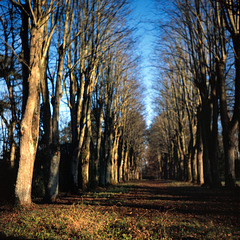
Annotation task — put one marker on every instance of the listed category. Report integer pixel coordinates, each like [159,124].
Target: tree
[51,121]
[38,12]
[228,15]
[178,102]
[199,40]
[201,49]
[10,101]
[99,33]
[85,48]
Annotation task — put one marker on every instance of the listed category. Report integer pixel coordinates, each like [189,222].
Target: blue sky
[143,14]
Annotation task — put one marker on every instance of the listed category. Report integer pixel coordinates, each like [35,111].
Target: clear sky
[144,15]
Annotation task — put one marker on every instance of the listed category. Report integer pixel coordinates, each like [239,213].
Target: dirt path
[161,196]
[140,210]
[164,196]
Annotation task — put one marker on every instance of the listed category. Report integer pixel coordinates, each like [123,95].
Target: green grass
[85,220]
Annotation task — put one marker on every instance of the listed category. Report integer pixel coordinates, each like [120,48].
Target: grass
[129,211]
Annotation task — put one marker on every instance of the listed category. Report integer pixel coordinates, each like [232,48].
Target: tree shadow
[163,197]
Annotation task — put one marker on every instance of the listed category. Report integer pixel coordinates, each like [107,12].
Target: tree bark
[30,122]
[213,134]
[86,147]
[109,158]
[229,127]
[26,52]
[114,175]
[199,146]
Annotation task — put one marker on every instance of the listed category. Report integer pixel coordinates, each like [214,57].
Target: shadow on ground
[163,196]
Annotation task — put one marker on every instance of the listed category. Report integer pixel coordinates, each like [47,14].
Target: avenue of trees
[195,135]
[72,57]
[71,112]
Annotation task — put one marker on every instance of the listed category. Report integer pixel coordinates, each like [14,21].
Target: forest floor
[136,210]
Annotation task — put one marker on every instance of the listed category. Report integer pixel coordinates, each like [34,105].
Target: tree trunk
[96,160]
[213,134]
[204,122]
[229,142]
[229,127]
[30,123]
[125,164]
[236,40]
[47,123]
[109,158]
[159,158]
[12,154]
[74,131]
[53,181]
[120,171]
[55,153]
[200,178]
[26,52]
[199,146]
[103,158]
[194,165]
[102,163]
[86,157]
[114,171]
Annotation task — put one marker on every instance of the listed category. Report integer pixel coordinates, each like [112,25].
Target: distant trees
[10,103]
[80,51]
[197,82]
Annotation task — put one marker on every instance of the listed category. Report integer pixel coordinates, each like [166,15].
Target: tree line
[195,135]
[79,52]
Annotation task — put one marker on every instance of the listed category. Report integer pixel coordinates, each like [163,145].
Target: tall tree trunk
[26,52]
[120,161]
[75,106]
[199,146]
[193,149]
[200,178]
[115,160]
[30,122]
[204,122]
[159,158]
[86,147]
[81,121]
[47,123]
[229,141]
[194,165]
[12,154]
[229,128]
[125,163]
[102,161]
[95,164]
[180,159]
[53,181]
[236,40]
[213,143]
[109,158]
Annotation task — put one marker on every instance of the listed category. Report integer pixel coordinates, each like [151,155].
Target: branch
[18,57]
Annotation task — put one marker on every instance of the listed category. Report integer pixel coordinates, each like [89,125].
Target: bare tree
[196,38]
[10,101]
[99,33]
[38,13]
[51,121]
[228,16]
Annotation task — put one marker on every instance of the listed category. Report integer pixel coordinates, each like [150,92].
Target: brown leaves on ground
[140,210]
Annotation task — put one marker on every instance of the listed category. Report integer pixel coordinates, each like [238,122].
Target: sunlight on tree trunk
[30,123]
